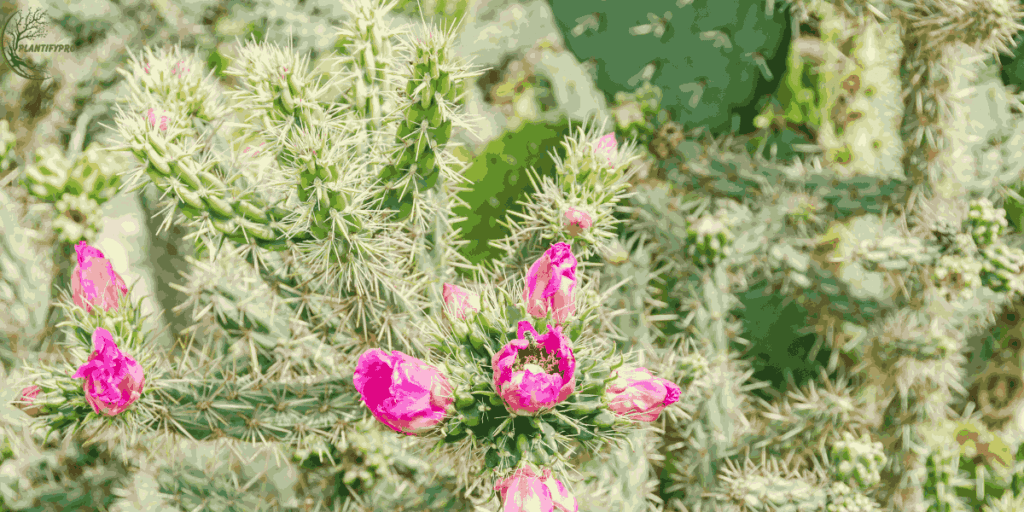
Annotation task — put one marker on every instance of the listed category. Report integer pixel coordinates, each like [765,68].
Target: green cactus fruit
[710,58]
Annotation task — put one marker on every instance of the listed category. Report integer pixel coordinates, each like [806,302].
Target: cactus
[720,55]
[877,271]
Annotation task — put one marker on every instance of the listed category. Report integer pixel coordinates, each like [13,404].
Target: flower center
[536,359]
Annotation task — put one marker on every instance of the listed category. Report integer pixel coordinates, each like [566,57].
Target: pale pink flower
[94,282]
[180,69]
[607,148]
[637,394]
[577,221]
[113,381]
[459,301]
[255,151]
[27,398]
[152,116]
[404,393]
[551,284]
[525,491]
[531,375]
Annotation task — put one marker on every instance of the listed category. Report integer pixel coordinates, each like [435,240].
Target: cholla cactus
[859,460]
[321,217]
[985,223]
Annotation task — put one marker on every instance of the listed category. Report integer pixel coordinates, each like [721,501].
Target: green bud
[523,443]
[584,409]
[492,458]
[471,416]
[605,419]
[495,400]
[463,399]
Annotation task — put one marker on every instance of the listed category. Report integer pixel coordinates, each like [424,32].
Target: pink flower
[607,147]
[459,300]
[402,392]
[533,375]
[639,395]
[551,283]
[152,115]
[94,282]
[26,400]
[524,491]
[113,381]
[578,221]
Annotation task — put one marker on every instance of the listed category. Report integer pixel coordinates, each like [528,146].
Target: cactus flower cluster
[533,377]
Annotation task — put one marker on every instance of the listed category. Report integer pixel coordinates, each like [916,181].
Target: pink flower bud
[531,375]
[146,68]
[404,393]
[525,491]
[113,381]
[637,394]
[94,282]
[578,221]
[551,284]
[459,301]
[152,115]
[607,148]
[27,399]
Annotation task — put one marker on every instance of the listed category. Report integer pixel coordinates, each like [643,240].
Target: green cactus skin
[710,59]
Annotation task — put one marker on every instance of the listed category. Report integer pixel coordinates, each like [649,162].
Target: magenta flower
[94,282]
[607,147]
[404,393]
[525,491]
[577,221]
[533,375]
[152,116]
[27,399]
[459,300]
[637,394]
[113,381]
[551,284]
